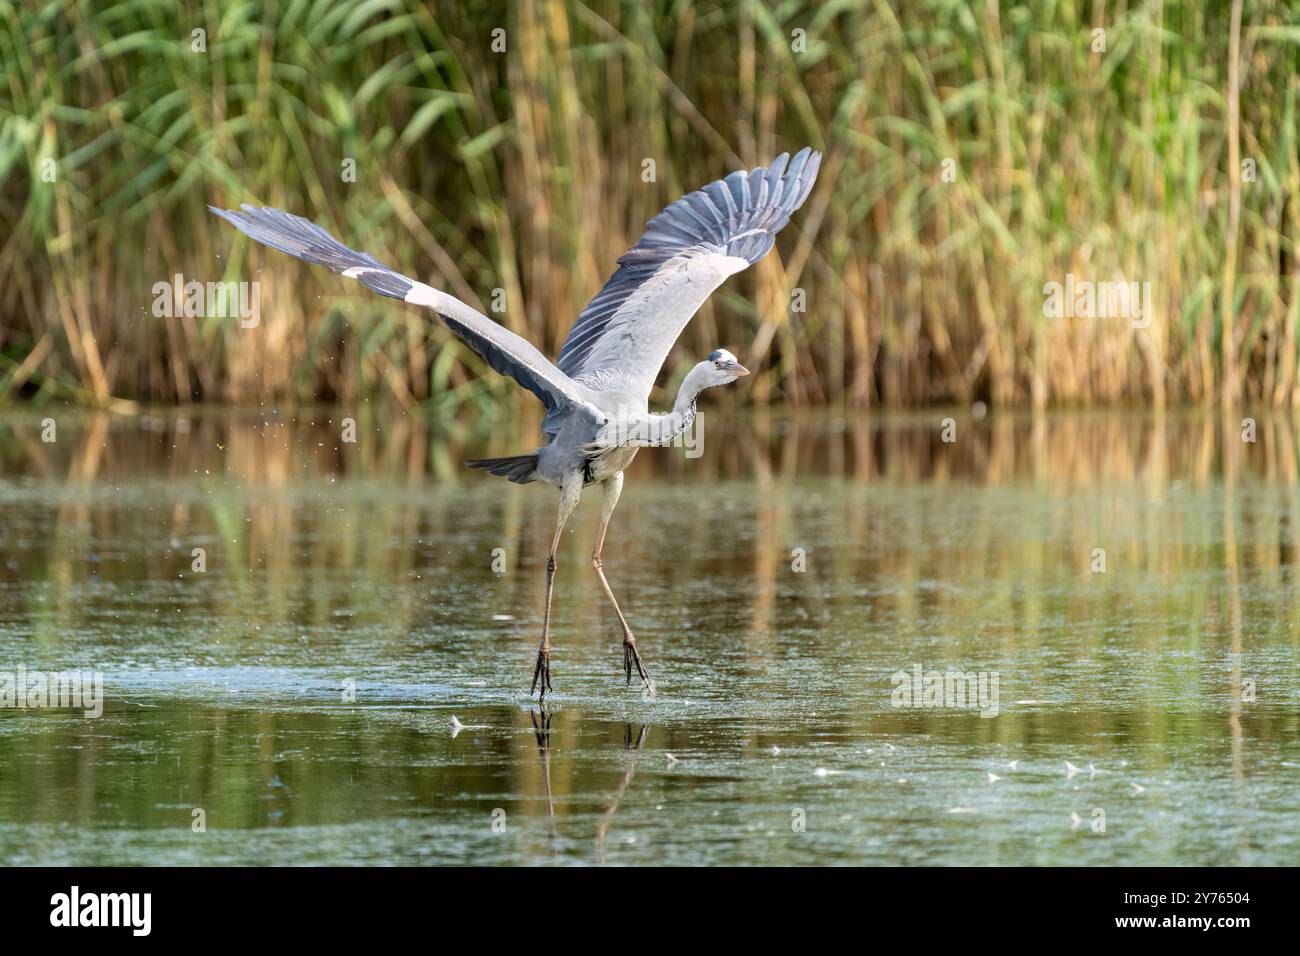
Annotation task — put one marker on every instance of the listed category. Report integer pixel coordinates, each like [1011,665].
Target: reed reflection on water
[1173,672]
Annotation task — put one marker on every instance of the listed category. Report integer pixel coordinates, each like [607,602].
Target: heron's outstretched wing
[686,252]
[502,349]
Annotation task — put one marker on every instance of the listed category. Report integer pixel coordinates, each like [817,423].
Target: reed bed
[975,152]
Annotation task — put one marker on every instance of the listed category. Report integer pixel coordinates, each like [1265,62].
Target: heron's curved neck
[689,391]
[683,412]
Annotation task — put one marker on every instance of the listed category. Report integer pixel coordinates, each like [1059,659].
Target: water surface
[300,690]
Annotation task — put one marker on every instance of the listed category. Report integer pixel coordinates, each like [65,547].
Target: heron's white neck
[696,381]
[652,429]
[664,429]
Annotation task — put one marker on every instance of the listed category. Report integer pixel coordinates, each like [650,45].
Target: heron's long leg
[631,658]
[569,496]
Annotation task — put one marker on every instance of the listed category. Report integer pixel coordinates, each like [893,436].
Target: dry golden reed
[974,153]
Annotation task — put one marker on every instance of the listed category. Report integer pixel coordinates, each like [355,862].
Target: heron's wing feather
[687,251]
[502,349]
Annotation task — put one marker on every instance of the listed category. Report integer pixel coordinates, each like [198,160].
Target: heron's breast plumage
[607,464]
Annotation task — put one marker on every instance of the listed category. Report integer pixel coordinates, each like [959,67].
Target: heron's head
[721,368]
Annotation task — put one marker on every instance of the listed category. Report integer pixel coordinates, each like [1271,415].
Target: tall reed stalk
[975,152]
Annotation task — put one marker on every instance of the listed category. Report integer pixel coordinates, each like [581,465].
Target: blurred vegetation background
[1117,141]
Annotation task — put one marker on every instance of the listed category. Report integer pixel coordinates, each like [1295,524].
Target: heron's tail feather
[521,469]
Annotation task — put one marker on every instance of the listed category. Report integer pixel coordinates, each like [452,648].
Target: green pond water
[296,697]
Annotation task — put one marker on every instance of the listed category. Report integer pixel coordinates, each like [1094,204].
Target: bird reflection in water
[633,750]
[542,731]
[541,721]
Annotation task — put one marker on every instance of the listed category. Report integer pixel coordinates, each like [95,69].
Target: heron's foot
[631,659]
[542,673]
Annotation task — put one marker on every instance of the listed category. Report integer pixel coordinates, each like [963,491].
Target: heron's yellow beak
[739,369]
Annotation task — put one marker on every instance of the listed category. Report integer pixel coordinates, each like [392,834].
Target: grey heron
[597,392]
